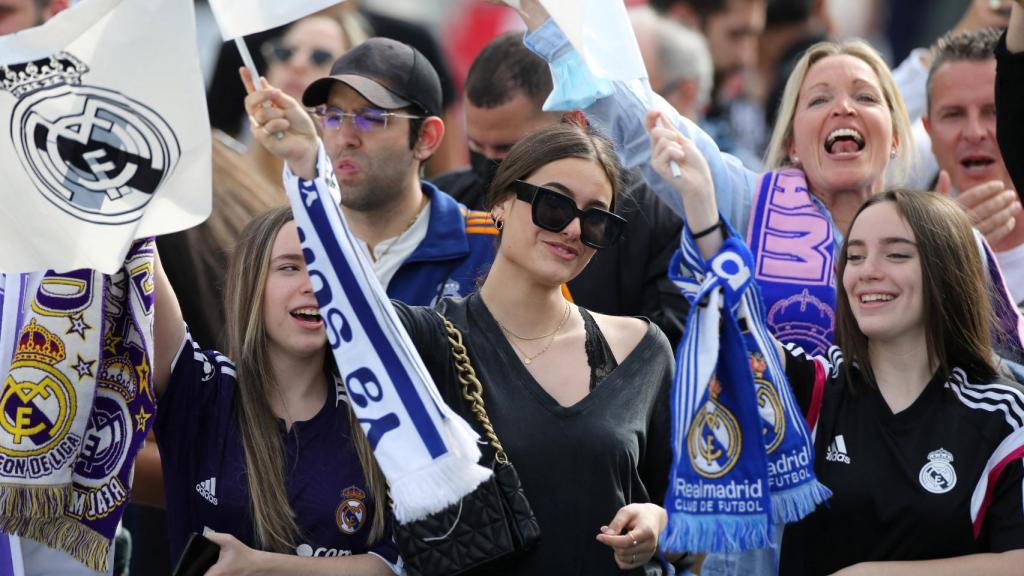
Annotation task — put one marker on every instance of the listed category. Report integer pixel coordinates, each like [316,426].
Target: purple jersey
[204,466]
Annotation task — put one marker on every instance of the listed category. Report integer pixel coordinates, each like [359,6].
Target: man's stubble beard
[382,185]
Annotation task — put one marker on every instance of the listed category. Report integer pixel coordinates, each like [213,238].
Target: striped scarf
[76,403]
[742,453]
[427,453]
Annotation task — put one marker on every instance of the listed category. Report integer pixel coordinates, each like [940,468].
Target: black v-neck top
[578,464]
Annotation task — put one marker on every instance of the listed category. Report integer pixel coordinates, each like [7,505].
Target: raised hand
[279,123]
[992,208]
[693,183]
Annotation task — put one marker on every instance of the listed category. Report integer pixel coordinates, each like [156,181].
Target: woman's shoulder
[625,334]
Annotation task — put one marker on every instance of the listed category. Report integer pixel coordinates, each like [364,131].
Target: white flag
[104,135]
[238,18]
[600,31]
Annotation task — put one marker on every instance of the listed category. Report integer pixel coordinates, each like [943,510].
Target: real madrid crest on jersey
[714,437]
[351,513]
[938,475]
[93,152]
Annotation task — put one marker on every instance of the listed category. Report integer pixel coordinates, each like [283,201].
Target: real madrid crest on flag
[93,152]
[104,136]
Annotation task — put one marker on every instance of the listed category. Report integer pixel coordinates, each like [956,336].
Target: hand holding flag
[281,125]
[601,33]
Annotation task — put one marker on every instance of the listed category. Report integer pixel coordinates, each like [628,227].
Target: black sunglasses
[275,51]
[553,211]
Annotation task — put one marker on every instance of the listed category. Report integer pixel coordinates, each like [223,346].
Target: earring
[794,160]
[499,224]
[892,154]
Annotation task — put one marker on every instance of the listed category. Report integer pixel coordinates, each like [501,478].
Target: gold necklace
[526,357]
[376,258]
[565,314]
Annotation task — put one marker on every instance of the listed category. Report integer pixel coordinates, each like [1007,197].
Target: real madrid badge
[937,475]
[351,512]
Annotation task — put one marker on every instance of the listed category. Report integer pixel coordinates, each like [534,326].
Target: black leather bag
[492,523]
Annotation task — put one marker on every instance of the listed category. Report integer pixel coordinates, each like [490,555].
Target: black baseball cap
[386,72]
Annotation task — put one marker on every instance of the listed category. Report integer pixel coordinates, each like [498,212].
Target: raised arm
[1010,97]
[618,109]
[694,187]
[168,329]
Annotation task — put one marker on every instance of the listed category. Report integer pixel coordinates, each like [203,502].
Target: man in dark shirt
[505,89]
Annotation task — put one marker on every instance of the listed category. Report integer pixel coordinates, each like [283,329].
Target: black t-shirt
[578,464]
[911,485]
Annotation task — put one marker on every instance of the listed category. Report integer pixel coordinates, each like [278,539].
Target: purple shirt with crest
[204,466]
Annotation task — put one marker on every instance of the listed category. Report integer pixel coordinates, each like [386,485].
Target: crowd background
[458,30]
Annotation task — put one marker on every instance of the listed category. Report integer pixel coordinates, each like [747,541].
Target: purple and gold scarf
[76,403]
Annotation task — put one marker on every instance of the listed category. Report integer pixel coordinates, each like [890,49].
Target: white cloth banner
[104,136]
[243,17]
[600,31]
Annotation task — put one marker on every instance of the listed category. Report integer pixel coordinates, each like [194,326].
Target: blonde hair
[777,154]
[273,518]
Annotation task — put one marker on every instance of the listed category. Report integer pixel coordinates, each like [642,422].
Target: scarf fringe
[31,502]
[433,488]
[62,533]
[702,533]
[793,504]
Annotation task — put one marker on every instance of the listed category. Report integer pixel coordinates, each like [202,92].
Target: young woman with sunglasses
[917,434]
[579,400]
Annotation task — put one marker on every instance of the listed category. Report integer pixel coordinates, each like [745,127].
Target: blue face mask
[575,86]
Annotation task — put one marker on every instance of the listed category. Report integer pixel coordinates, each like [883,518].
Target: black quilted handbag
[490,524]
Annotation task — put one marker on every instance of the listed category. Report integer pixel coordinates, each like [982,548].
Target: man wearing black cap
[379,117]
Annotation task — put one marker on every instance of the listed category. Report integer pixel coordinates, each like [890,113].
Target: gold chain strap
[472,390]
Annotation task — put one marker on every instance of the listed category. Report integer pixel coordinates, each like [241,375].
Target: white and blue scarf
[743,456]
[427,453]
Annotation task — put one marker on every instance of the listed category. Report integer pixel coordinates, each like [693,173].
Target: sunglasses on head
[553,211]
[282,53]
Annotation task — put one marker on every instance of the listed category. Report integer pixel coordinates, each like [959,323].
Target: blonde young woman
[579,400]
[261,448]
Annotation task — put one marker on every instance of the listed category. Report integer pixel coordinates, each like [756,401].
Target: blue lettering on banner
[368,384]
[375,428]
[415,407]
[338,329]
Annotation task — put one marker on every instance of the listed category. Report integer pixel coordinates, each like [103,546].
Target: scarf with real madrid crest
[76,403]
[742,453]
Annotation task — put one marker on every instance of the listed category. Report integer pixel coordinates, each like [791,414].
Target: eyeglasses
[364,119]
[318,58]
[553,211]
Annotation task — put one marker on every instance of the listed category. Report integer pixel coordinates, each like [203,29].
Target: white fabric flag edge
[235,21]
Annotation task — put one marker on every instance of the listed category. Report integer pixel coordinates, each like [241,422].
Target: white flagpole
[676,173]
[243,51]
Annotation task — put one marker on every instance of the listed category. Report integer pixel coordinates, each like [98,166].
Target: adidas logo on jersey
[208,489]
[837,451]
